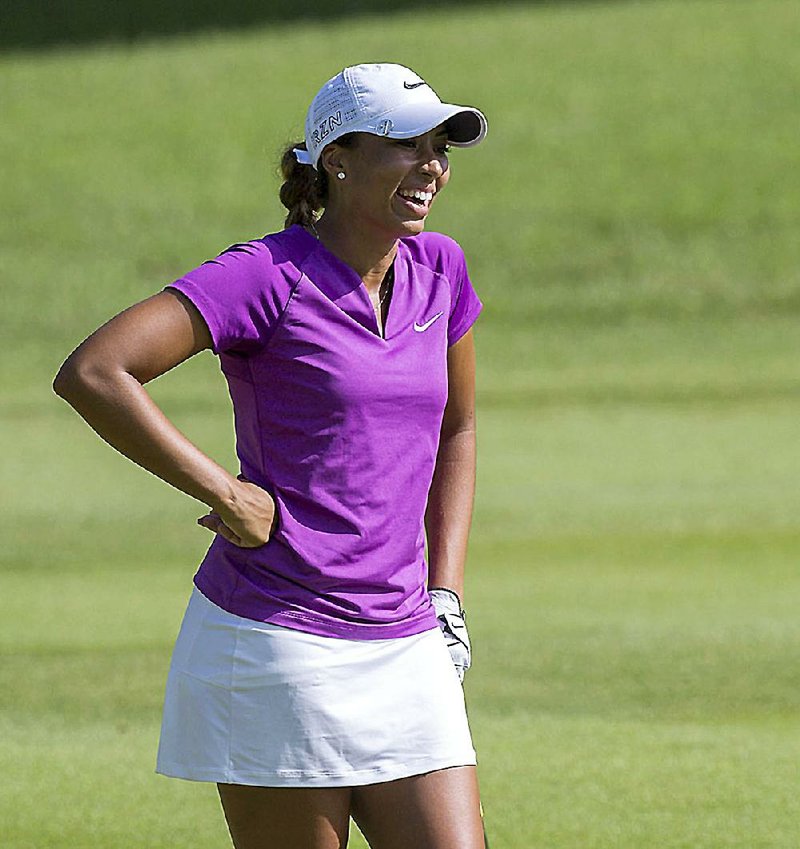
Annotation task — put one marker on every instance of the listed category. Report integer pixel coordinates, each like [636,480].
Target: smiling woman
[383,134]
[317,672]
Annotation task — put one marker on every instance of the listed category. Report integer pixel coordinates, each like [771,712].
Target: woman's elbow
[68,382]
[78,377]
[64,380]
[459,425]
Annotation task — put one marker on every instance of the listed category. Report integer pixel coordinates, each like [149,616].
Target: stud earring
[341,175]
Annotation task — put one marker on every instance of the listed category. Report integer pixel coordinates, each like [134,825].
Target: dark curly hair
[305,190]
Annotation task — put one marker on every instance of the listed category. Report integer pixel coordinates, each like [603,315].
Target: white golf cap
[385,100]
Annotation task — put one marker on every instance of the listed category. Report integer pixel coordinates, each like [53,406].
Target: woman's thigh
[286,817]
[438,810]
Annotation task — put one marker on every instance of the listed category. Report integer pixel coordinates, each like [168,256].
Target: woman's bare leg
[438,810]
[286,817]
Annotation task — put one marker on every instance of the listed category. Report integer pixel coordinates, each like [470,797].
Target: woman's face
[390,184]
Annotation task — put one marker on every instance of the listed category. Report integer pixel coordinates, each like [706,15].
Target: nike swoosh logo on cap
[413,85]
[422,327]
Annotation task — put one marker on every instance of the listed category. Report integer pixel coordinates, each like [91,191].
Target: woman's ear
[331,160]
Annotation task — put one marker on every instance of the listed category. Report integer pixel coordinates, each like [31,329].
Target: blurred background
[631,224]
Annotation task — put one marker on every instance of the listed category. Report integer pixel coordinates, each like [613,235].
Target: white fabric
[386,100]
[259,704]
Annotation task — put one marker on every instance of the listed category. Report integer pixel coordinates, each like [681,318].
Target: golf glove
[447,606]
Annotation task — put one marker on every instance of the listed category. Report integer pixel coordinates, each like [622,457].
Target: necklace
[387,282]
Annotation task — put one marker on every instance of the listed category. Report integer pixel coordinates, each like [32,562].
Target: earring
[341,175]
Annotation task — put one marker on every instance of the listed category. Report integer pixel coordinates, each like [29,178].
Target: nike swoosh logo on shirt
[413,85]
[422,327]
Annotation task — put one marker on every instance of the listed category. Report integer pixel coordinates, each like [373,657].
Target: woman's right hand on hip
[246,519]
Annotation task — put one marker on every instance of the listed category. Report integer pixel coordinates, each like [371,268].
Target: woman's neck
[370,258]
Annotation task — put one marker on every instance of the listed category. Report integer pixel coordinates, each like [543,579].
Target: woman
[310,680]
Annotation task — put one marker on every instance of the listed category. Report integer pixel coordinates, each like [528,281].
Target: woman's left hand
[447,606]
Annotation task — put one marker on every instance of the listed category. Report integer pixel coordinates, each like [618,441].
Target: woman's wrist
[222,495]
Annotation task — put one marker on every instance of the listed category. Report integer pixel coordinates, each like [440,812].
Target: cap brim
[466,126]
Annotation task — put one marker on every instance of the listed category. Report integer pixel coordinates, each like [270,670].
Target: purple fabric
[340,425]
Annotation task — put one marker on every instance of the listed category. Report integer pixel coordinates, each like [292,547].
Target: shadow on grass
[53,23]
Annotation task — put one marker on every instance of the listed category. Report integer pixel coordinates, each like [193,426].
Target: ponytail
[305,190]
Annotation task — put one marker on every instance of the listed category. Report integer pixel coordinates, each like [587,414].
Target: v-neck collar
[343,285]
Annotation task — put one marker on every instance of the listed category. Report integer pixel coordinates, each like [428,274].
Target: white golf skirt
[259,704]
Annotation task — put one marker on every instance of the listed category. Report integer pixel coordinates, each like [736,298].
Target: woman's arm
[449,512]
[103,379]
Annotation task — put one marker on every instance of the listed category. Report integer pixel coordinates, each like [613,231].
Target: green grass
[631,225]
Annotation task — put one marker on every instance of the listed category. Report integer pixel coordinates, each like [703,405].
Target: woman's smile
[417,201]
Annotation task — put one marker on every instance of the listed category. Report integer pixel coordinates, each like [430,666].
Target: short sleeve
[465,304]
[241,295]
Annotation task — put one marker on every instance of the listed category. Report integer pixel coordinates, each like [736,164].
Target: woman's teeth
[416,194]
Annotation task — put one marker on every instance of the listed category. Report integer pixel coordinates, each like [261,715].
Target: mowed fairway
[631,224]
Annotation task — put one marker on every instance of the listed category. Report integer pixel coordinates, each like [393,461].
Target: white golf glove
[447,606]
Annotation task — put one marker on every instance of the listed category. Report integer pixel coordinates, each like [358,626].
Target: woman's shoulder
[250,270]
[437,251]
[432,243]
[275,249]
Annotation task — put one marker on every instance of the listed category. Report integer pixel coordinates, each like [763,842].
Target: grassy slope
[631,225]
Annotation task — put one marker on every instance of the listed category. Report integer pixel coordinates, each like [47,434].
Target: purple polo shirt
[339,424]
